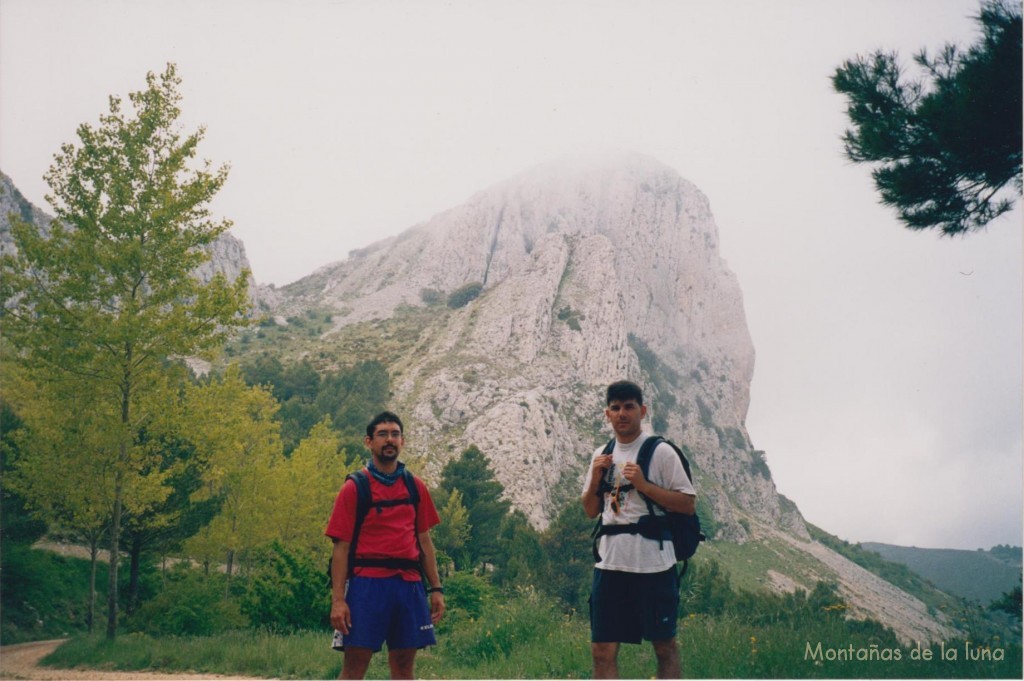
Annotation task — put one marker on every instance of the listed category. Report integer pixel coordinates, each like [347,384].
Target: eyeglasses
[385,434]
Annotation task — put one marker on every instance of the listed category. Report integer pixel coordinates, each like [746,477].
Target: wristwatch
[439,589]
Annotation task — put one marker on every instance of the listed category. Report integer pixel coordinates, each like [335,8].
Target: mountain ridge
[980,576]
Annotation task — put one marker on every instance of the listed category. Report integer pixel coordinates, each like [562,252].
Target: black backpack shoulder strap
[363,500]
[643,458]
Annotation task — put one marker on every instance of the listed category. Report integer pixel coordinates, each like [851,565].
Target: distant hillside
[981,576]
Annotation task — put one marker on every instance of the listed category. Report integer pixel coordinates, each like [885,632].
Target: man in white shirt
[635,591]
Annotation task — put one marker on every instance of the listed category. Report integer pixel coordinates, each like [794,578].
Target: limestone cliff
[592,269]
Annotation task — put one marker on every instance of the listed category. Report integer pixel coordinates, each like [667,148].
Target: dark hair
[623,391]
[383,417]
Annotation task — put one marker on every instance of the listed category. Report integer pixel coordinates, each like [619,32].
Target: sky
[887,387]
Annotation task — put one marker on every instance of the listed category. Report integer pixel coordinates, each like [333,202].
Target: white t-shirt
[631,552]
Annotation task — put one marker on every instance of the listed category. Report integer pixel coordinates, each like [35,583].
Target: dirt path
[21,662]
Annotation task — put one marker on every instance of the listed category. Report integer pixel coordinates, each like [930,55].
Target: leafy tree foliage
[17,524]
[286,591]
[347,396]
[1010,602]
[467,596]
[304,488]
[520,559]
[107,295]
[946,147]
[569,559]
[472,476]
[189,604]
[453,534]
[234,429]
[164,526]
[352,395]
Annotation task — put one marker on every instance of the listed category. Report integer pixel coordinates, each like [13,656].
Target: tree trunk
[94,550]
[135,557]
[228,567]
[115,522]
[115,535]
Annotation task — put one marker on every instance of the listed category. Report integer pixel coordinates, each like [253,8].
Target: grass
[526,638]
[749,563]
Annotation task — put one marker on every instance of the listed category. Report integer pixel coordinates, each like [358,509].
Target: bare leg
[402,663]
[667,653]
[606,662]
[356,662]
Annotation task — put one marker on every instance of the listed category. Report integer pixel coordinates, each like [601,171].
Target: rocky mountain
[502,320]
[591,270]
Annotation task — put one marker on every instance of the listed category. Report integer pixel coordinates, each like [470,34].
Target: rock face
[592,270]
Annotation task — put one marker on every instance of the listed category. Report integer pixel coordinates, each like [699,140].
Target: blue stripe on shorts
[388,609]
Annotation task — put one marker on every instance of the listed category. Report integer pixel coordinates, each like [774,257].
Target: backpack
[364,502]
[682,529]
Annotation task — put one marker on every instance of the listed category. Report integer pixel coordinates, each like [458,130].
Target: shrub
[467,596]
[287,591]
[191,603]
[462,296]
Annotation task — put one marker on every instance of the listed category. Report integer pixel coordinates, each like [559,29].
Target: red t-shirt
[387,532]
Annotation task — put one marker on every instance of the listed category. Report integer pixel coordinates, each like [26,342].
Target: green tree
[520,558]
[945,147]
[349,395]
[472,476]
[234,430]
[1009,602]
[17,524]
[286,591]
[107,295]
[452,535]
[162,527]
[304,488]
[569,559]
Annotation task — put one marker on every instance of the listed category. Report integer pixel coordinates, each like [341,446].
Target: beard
[389,453]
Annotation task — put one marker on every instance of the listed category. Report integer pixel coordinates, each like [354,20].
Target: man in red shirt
[378,596]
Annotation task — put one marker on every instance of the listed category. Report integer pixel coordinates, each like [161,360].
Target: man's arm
[341,617]
[592,501]
[429,560]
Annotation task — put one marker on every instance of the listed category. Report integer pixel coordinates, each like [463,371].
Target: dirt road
[20,662]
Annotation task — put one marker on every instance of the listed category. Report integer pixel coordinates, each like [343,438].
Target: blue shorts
[627,607]
[388,609]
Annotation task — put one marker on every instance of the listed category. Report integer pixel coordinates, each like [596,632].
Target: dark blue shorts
[628,607]
[388,609]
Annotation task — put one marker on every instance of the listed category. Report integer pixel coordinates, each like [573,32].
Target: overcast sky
[887,390]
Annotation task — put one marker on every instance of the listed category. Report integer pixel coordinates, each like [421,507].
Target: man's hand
[670,500]
[635,475]
[437,606]
[341,617]
[601,465]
